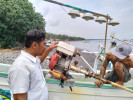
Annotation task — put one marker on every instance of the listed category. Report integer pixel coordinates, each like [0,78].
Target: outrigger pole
[96,76]
[121,40]
[79,9]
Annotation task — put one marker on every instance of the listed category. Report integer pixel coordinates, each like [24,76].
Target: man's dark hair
[34,36]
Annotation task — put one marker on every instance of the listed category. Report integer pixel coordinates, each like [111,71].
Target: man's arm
[22,96]
[102,71]
[46,52]
[103,68]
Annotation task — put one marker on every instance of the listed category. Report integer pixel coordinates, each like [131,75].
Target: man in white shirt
[25,76]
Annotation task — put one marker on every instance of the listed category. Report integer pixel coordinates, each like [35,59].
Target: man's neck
[30,51]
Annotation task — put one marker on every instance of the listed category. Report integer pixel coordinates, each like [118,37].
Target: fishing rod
[79,9]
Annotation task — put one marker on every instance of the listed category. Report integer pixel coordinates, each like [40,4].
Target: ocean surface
[94,45]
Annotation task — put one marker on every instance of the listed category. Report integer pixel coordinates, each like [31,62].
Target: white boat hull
[84,89]
[87,93]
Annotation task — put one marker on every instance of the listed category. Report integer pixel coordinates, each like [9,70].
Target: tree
[63,37]
[16,18]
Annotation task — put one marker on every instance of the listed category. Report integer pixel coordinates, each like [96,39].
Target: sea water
[93,45]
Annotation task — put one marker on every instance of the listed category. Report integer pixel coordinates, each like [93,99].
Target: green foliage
[63,37]
[16,18]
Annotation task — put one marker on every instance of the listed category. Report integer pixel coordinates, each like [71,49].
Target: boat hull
[83,89]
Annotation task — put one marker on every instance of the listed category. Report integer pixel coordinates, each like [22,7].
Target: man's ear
[34,44]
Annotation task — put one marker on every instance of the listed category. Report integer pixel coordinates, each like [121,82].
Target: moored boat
[84,88]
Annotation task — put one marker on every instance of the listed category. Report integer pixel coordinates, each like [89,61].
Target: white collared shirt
[25,75]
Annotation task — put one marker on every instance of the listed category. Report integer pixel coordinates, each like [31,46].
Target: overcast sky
[59,22]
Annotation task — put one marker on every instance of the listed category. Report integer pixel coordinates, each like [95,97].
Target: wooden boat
[83,89]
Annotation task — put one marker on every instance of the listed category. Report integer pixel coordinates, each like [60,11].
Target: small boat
[49,42]
[83,88]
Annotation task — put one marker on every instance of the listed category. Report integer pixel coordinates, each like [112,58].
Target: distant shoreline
[97,39]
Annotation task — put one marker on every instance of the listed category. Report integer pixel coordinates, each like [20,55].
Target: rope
[64,9]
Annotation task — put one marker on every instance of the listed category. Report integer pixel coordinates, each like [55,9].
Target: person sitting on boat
[25,77]
[121,61]
[113,45]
